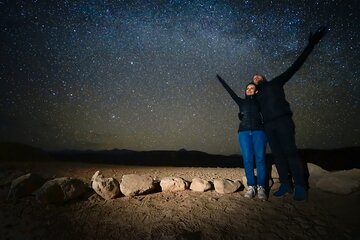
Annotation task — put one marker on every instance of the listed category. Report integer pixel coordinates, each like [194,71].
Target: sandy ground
[180,215]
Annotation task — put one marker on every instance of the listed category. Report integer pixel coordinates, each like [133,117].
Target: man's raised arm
[314,38]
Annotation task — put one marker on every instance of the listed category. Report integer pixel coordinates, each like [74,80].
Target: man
[279,126]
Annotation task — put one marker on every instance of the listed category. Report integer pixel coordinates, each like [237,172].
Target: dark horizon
[329,159]
[164,150]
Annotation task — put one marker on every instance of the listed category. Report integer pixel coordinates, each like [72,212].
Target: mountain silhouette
[334,159]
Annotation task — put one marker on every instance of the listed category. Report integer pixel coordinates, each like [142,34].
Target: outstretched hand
[315,37]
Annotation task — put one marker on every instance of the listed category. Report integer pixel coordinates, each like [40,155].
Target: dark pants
[281,138]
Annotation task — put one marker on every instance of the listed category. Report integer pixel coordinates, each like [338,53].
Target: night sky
[141,75]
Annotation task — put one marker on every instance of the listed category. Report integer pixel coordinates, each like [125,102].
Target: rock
[274,172]
[341,182]
[200,185]
[94,198]
[8,175]
[276,184]
[226,186]
[315,169]
[61,190]
[173,184]
[244,181]
[107,188]
[25,185]
[348,174]
[315,173]
[271,182]
[133,185]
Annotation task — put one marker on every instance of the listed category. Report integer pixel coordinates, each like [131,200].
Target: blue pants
[253,143]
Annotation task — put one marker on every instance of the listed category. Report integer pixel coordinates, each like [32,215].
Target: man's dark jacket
[271,96]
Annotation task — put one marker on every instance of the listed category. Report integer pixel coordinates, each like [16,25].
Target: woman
[252,139]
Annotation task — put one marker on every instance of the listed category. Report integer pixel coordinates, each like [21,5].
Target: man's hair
[264,78]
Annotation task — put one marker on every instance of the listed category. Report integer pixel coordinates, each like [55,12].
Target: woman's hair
[251,83]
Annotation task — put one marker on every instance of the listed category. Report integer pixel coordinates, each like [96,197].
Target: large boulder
[341,182]
[61,190]
[226,186]
[107,188]
[25,185]
[316,170]
[200,185]
[133,184]
[315,173]
[173,184]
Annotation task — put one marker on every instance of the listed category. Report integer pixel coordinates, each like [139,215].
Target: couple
[265,115]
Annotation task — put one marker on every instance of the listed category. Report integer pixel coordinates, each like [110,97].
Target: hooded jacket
[249,110]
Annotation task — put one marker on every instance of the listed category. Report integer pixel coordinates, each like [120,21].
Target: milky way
[141,75]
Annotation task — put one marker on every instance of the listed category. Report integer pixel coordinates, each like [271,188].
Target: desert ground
[180,215]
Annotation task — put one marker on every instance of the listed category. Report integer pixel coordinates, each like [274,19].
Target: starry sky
[141,75]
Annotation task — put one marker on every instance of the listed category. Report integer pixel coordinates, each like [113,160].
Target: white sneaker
[261,193]
[250,193]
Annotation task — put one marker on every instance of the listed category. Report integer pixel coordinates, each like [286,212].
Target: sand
[180,215]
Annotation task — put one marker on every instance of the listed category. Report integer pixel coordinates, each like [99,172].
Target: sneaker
[250,193]
[261,193]
[283,190]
